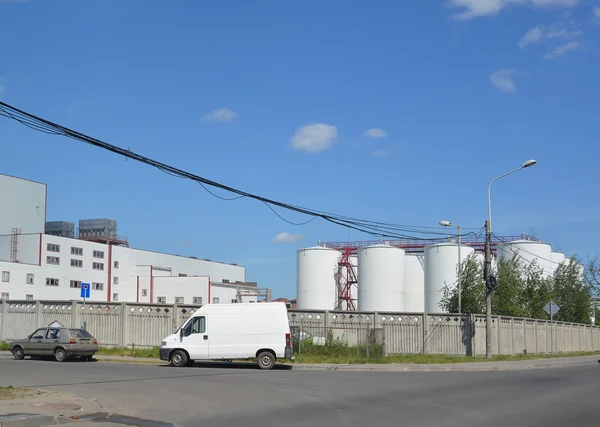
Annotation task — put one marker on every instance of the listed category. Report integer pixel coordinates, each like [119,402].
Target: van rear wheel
[179,358]
[266,360]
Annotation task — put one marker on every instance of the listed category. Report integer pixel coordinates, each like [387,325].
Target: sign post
[551,308]
[85,293]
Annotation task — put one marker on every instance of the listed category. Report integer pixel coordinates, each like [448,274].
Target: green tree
[509,296]
[572,294]
[537,292]
[473,290]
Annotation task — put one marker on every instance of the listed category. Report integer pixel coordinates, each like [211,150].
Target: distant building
[48,261]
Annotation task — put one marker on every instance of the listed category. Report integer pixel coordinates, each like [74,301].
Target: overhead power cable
[374,228]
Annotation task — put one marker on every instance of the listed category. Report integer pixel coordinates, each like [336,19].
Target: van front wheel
[266,360]
[179,358]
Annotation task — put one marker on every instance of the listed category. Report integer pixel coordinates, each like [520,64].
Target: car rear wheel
[179,358]
[266,360]
[19,353]
[60,355]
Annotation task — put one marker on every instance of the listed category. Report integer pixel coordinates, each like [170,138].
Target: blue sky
[392,111]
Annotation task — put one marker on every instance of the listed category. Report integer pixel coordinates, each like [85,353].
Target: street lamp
[488,260]
[449,224]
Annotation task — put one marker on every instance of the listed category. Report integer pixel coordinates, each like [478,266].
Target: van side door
[194,338]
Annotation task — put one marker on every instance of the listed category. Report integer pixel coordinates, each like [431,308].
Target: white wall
[23,206]
[129,258]
[185,287]
[135,270]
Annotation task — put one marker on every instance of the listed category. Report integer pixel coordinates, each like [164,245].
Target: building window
[75,284]
[76,263]
[29,279]
[225,280]
[161,300]
[115,297]
[76,251]
[178,300]
[97,286]
[6,276]
[115,280]
[4,296]
[182,275]
[54,260]
[144,292]
[51,247]
[215,300]
[29,297]
[98,254]
[51,282]
[116,264]
[98,266]
[197,300]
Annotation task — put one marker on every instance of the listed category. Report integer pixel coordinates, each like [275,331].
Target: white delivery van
[258,331]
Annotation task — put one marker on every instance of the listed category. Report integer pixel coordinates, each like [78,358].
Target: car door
[33,346]
[194,338]
[50,341]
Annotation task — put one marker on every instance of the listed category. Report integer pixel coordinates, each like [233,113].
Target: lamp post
[449,224]
[488,261]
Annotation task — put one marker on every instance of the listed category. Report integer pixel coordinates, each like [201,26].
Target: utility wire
[370,227]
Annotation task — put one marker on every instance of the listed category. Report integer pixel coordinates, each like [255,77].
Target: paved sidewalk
[555,362]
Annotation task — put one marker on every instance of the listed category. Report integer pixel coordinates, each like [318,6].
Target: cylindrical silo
[381,278]
[527,252]
[441,271]
[316,278]
[414,283]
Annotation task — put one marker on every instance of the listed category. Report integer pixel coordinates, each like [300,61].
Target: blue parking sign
[85,290]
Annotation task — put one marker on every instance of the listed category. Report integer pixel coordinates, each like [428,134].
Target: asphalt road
[201,396]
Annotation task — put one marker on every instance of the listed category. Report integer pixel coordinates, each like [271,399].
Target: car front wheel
[179,358]
[19,353]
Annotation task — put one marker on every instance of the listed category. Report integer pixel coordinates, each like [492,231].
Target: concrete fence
[145,325]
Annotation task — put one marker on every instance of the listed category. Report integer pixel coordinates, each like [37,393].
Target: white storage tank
[527,252]
[441,270]
[316,278]
[414,283]
[381,278]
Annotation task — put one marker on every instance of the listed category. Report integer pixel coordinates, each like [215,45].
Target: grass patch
[336,352]
[146,353]
[3,346]
[12,393]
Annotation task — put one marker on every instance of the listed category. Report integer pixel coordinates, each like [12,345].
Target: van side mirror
[181,333]
[29,336]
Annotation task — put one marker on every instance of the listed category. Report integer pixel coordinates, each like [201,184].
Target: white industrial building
[402,276]
[39,266]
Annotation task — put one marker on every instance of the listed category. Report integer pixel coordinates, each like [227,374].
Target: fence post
[425,332]
[75,315]
[124,325]
[175,317]
[513,345]
[38,314]
[4,316]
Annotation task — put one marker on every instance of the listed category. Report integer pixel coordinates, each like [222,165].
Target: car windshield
[80,333]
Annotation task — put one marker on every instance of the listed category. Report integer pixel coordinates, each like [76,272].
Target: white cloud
[541,32]
[2,86]
[376,133]
[224,115]
[563,50]
[504,80]
[288,238]
[597,12]
[314,137]
[479,8]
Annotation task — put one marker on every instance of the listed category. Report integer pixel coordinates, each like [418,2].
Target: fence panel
[403,334]
[446,334]
[104,322]
[148,325]
[61,312]
[20,320]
